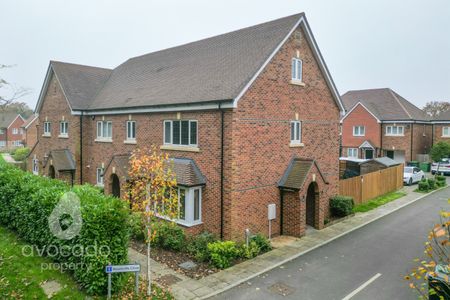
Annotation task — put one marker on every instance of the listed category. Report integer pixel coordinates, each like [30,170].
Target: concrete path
[227,279]
[8,158]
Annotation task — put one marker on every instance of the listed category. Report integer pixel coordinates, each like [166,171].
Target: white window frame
[295,132]
[47,128]
[2,131]
[131,128]
[64,129]
[2,144]
[100,181]
[35,166]
[17,143]
[15,131]
[446,134]
[359,130]
[351,154]
[168,140]
[390,130]
[297,69]
[102,133]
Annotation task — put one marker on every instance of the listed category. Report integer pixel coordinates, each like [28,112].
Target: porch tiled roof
[296,173]
[62,160]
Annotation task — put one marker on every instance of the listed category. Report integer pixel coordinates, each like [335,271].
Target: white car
[444,167]
[412,175]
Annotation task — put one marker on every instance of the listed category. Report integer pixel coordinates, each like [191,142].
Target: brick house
[250,118]
[11,132]
[441,128]
[379,122]
[30,131]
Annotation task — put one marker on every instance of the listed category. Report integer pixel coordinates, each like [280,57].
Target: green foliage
[198,245]
[262,242]
[424,186]
[440,150]
[21,153]
[251,251]
[223,253]
[431,183]
[341,206]
[378,201]
[169,235]
[137,227]
[26,202]
[440,178]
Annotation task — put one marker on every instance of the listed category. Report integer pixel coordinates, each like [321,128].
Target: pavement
[8,158]
[346,256]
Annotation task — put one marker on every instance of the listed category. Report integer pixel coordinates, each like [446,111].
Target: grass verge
[374,203]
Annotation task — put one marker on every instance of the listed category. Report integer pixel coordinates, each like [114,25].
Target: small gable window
[297,69]
[296,132]
[63,128]
[47,128]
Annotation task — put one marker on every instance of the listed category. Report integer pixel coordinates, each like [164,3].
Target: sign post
[110,269]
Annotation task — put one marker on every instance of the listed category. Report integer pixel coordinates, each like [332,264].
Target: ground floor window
[35,166]
[100,176]
[189,206]
[17,143]
[352,152]
[2,143]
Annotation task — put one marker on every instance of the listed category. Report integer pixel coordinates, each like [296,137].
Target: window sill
[47,135]
[394,135]
[63,136]
[130,142]
[35,173]
[296,145]
[297,82]
[358,135]
[100,185]
[103,140]
[180,148]
[180,222]
[446,136]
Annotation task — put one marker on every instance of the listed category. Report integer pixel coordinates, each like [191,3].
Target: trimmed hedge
[341,206]
[424,186]
[21,153]
[27,201]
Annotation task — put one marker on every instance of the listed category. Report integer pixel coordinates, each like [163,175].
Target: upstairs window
[182,133]
[2,131]
[359,130]
[446,131]
[297,69]
[296,132]
[104,130]
[100,176]
[395,130]
[47,128]
[131,130]
[15,131]
[63,128]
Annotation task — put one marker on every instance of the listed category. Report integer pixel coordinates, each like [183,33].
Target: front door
[390,154]
[311,204]
[369,153]
[115,186]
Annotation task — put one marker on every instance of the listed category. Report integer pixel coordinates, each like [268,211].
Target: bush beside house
[341,206]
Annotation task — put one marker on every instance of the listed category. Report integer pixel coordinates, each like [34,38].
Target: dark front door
[51,172]
[390,154]
[115,188]
[311,204]
[369,153]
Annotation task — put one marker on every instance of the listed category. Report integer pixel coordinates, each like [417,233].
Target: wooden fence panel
[371,185]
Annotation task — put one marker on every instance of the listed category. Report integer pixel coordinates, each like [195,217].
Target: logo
[65,221]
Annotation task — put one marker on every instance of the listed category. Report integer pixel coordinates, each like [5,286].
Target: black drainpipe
[281,210]
[221,172]
[381,139]
[81,148]
[432,135]
[411,146]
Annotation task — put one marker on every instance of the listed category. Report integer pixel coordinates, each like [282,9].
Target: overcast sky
[404,45]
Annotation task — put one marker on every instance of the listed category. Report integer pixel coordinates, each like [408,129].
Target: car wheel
[433,172]
[410,181]
[423,177]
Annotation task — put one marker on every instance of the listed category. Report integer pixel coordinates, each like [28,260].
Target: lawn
[21,276]
[386,198]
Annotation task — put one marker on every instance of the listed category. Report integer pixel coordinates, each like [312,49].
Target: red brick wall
[17,123]
[31,134]
[261,137]
[360,116]
[438,133]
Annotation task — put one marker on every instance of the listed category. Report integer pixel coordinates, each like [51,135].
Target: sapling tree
[151,191]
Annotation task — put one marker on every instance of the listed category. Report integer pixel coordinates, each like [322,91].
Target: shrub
[441,183]
[27,201]
[198,245]
[21,153]
[424,186]
[431,183]
[222,253]
[341,206]
[169,235]
[137,228]
[440,178]
[262,242]
[251,251]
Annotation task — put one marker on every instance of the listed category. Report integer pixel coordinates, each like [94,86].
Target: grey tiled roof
[6,118]
[213,69]
[445,116]
[62,160]
[385,104]
[80,83]
[386,161]
[297,172]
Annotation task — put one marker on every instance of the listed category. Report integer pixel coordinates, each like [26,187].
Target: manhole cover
[188,265]
[281,289]
[168,279]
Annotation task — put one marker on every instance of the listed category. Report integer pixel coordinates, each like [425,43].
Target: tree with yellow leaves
[436,264]
[151,191]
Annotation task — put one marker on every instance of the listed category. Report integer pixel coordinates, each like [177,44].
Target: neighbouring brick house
[441,128]
[11,132]
[379,122]
[250,118]
[30,131]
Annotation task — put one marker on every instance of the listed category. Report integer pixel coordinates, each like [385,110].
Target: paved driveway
[368,263]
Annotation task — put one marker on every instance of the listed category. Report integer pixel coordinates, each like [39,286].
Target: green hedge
[341,206]
[26,202]
[21,153]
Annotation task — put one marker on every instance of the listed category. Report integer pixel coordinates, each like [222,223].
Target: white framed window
[15,131]
[47,128]
[395,130]
[297,69]
[63,128]
[2,144]
[131,130]
[100,176]
[35,166]
[352,152]
[183,133]
[189,205]
[296,132]
[104,130]
[17,143]
[2,131]
[359,130]
[446,131]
